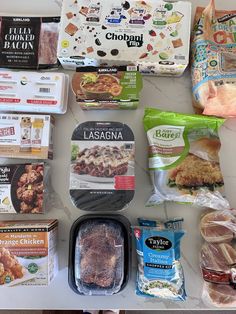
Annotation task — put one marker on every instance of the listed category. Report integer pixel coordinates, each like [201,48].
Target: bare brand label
[167,134]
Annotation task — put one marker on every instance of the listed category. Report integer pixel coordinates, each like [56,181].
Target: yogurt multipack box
[153,34]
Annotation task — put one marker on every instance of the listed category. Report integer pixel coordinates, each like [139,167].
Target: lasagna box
[28,252]
[107,87]
[26,136]
[152,34]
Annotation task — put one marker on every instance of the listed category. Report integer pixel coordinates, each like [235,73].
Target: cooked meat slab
[100,254]
[196,172]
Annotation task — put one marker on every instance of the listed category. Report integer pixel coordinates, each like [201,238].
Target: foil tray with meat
[99,258]
[23,188]
[102,166]
[218,258]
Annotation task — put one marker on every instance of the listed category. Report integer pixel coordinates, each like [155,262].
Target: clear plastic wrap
[218,258]
[160,273]
[184,159]
[100,259]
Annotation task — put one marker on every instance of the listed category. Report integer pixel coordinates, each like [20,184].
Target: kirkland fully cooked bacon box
[151,34]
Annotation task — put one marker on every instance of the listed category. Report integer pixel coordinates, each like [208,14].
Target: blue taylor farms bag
[160,273]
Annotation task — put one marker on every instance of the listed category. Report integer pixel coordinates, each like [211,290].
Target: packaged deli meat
[33,91]
[184,158]
[28,42]
[219,295]
[28,252]
[107,87]
[23,188]
[26,136]
[214,62]
[160,273]
[100,256]
[102,166]
[218,226]
[152,34]
[218,263]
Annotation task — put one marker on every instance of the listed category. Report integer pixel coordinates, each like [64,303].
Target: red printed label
[7,131]
[124,183]
[10,100]
[41,102]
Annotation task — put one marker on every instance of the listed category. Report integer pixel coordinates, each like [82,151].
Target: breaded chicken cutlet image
[194,173]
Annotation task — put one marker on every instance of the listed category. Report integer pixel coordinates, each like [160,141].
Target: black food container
[100,254]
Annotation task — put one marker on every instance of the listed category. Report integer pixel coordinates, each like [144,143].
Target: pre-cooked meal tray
[100,254]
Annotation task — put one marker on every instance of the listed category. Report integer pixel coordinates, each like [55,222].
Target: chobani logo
[131,40]
[167,134]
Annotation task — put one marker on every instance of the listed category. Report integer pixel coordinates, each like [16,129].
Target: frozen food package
[184,159]
[219,295]
[23,188]
[102,166]
[214,62]
[31,91]
[218,226]
[152,34]
[28,42]
[107,87]
[99,258]
[28,252]
[160,273]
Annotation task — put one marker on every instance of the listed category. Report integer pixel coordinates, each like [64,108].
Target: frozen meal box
[28,252]
[26,136]
[99,258]
[153,34]
[35,92]
[28,42]
[23,188]
[102,166]
[107,87]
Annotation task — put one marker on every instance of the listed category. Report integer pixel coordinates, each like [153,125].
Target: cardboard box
[23,188]
[36,92]
[26,136]
[152,34]
[28,252]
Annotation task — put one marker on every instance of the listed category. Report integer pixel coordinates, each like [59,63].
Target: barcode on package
[179,57]
[131,68]
[44,90]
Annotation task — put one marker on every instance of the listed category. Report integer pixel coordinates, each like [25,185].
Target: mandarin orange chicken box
[28,252]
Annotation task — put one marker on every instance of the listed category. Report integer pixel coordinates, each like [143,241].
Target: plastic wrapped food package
[29,42]
[160,273]
[218,258]
[214,62]
[102,166]
[99,255]
[184,159]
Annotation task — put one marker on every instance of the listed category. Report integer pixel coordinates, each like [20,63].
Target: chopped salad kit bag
[160,272]
[214,62]
[183,158]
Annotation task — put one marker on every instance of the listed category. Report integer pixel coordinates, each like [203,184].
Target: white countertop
[164,93]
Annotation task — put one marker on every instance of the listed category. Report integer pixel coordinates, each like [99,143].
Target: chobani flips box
[26,136]
[153,34]
[28,252]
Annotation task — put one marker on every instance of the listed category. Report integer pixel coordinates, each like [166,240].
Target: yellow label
[65,44]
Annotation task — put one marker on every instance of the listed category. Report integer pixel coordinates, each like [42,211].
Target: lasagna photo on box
[102,166]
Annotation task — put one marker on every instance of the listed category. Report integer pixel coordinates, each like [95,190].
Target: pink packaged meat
[218,258]
[28,42]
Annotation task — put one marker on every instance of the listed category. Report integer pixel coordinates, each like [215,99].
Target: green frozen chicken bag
[184,158]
